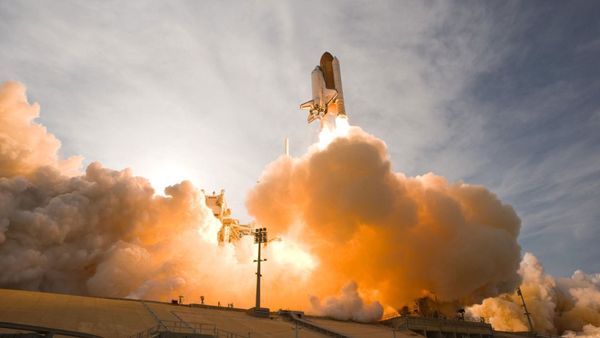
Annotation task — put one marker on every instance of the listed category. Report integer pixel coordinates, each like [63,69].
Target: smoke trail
[557,305]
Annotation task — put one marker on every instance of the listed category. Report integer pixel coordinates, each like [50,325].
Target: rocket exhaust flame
[329,131]
[347,222]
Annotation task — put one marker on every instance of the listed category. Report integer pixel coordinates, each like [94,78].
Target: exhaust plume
[400,237]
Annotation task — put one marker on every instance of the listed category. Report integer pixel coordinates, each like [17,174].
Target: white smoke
[557,305]
[589,331]
[348,305]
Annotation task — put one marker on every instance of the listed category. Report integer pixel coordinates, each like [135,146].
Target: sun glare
[291,253]
[169,173]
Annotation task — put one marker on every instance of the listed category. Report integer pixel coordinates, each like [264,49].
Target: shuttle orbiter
[328,97]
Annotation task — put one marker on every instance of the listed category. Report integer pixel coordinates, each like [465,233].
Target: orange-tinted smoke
[348,223]
[398,237]
[105,232]
[23,152]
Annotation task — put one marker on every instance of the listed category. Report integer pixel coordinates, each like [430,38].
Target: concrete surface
[115,318]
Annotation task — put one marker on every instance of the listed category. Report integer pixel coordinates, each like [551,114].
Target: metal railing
[48,331]
[470,322]
[187,327]
[226,334]
[441,324]
[296,317]
[176,326]
[389,316]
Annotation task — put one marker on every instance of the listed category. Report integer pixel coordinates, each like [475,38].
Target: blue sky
[504,94]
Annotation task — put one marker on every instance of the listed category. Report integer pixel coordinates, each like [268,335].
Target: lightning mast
[260,237]
[526,313]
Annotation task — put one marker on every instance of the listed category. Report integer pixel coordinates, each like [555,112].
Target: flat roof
[109,317]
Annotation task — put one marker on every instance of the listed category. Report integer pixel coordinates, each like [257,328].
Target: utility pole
[527,314]
[260,237]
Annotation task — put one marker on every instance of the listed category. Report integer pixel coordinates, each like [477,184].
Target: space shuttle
[327,95]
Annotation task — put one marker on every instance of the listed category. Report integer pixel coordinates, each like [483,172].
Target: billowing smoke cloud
[349,305]
[21,153]
[342,213]
[104,232]
[400,237]
[556,305]
[589,331]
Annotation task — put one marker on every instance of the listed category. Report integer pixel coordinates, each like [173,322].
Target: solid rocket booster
[337,79]
[327,94]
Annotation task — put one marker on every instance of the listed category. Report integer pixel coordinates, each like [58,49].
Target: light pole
[260,237]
